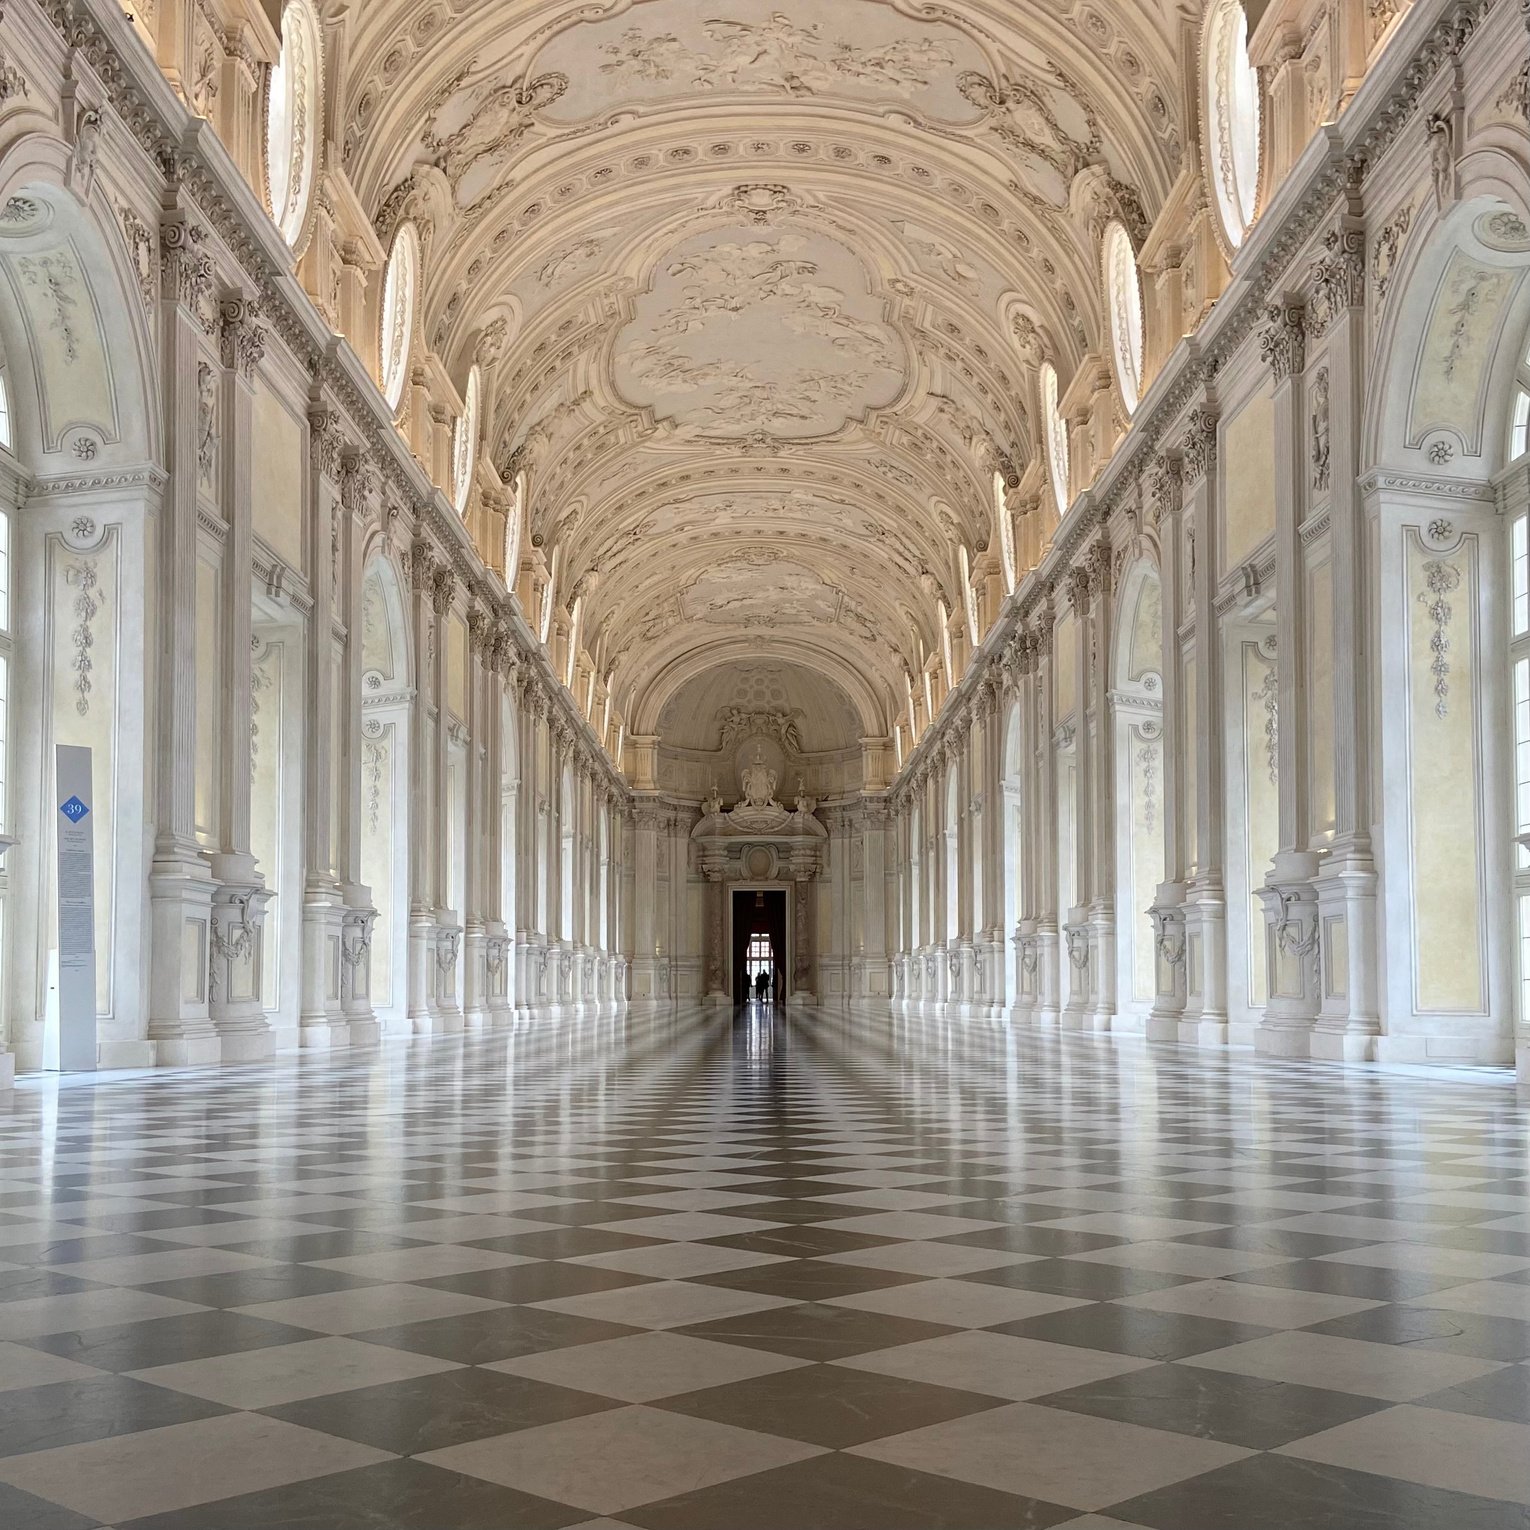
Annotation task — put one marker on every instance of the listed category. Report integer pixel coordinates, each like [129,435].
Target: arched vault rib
[654,686]
[759,290]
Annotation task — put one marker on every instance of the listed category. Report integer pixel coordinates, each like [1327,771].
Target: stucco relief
[1458,346]
[759,590]
[476,125]
[73,373]
[744,330]
[683,48]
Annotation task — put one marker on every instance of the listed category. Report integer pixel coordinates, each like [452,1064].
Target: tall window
[465,445]
[5,710]
[1519,687]
[514,518]
[545,619]
[399,288]
[1519,422]
[758,958]
[969,597]
[7,438]
[1123,295]
[1230,114]
[292,119]
[1057,438]
[947,658]
[1006,524]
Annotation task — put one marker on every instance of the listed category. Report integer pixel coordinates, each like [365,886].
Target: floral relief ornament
[1441,579]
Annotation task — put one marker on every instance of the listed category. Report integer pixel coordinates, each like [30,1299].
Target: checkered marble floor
[744,1273]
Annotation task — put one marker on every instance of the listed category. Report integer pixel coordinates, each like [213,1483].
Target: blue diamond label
[74,810]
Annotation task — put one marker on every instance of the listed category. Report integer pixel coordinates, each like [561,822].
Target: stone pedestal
[1348,1026]
[356,967]
[180,911]
[1293,956]
[234,935]
[1168,916]
[1204,1022]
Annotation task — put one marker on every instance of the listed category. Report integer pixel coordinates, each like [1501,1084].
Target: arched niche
[79,488]
[1137,720]
[1442,508]
[79,285]
[386,694]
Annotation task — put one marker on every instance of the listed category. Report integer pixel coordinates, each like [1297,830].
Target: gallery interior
[764,764]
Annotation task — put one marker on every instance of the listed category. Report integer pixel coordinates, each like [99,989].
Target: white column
[237,924]
[1165,500]
[180,885]
[360,490]
[1350,1018]
[1205,1018]
[1290,901]
[322,1020]
[479,810]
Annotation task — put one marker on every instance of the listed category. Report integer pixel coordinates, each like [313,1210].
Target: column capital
[326,441]
[1165,487]
[242,338]
[1283,340]
[185,267]
[1337,277]
[1198,445]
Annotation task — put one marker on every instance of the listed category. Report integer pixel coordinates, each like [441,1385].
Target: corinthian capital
[1283,340]
[1198,447]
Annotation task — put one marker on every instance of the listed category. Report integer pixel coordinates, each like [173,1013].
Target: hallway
[691,1273]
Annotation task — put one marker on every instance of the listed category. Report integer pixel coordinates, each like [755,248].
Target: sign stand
[76,911]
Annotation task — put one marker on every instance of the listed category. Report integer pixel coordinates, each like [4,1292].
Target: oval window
[399,288]
[1123,296]
[1057,438]
[465,445]
[1231,115]
[292,119]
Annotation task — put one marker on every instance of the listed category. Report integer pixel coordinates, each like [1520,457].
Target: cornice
[1326,181]
[194,165]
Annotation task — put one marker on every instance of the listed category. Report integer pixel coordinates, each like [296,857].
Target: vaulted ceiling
[761,287]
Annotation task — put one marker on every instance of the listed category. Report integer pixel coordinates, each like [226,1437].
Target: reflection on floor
[745,1273]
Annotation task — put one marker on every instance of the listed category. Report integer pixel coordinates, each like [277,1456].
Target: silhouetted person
[761,986]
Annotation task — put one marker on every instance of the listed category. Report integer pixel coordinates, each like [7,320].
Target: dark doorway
[759,943]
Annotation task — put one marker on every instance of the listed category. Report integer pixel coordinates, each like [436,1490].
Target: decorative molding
[1320,419]
[81,577]
[1283,340]
[1441,580]
[1198,445]
[243,339]
[1337,278]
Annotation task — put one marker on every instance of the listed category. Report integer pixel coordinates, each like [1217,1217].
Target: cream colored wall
[1320,717]
[280,459]
[1445,806]
[1248,481]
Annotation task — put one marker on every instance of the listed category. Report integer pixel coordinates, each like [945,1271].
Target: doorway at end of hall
[759,945]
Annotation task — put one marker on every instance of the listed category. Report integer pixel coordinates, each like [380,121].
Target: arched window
[1519,679]
[947,658]
[1123,300]
[571,662]
[465,445]
[1230,113]
[514,518]
[969,597]
[1519,422]
[292,119]
[1057,438]
[400,286]
[545,616]
[1006,524]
